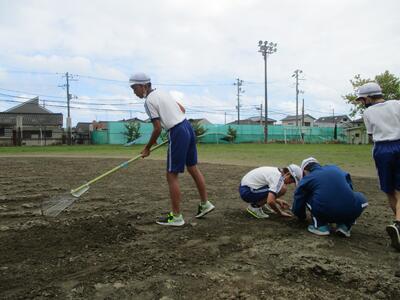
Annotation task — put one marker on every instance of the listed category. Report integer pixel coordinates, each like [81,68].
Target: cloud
[204,43]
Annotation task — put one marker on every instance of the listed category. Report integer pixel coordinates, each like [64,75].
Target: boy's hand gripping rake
[55,206]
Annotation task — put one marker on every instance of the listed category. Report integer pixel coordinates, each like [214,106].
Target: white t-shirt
[161,105]
[382,120]
[262,176]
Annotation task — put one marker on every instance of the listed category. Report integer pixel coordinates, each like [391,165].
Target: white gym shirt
[161,105]
[382,120]
[262,176]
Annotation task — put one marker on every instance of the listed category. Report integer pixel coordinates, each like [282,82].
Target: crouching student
[327,192]
[264,185]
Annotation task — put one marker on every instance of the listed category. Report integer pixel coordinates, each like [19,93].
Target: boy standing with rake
[166,113]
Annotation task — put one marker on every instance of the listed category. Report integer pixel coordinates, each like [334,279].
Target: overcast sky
[195,50]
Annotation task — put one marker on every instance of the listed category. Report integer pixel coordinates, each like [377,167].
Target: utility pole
[69,139]
[302,121]
[68,77]
[225,118]
[239,84]
[296,75]
[265,49]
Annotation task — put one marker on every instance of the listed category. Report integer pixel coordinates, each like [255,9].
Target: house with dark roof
[356,133]
[81,132]
[291,120]
[29,123]
[135,120]
[330,121]
[254,121]
[201,121]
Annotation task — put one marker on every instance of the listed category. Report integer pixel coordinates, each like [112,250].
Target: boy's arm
[299,201]
[181,107]
[154,136]
[276,205]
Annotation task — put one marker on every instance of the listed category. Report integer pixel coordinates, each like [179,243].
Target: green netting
[115,134]
[100,137]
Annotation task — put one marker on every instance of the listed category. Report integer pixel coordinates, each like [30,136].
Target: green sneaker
[171,220]
[204,209]
[257,212]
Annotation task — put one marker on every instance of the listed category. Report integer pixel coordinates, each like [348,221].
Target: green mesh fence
[99,137]
[215,134]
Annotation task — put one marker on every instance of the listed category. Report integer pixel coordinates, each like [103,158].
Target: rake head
[54,206]
[57,204]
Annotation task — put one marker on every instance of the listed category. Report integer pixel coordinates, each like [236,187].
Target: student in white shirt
[382,121]
[166,113]
[264,185]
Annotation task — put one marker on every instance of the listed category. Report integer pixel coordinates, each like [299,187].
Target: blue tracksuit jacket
[328,193]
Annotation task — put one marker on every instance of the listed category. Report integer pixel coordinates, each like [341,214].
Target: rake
[57,204]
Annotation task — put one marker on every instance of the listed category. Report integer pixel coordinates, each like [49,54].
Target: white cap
[139,78]
[296,172]
[369,89]
[306,162]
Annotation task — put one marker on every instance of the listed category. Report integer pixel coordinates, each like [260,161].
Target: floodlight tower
[266,48]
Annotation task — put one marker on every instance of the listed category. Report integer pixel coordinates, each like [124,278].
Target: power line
[32,72]
[76,107]
[184,84]
[29,93]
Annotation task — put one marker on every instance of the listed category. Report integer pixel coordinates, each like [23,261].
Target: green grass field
[356,159]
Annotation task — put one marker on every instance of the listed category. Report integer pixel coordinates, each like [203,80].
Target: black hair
[311,166]
[148,85]
[376,97]
[285,170]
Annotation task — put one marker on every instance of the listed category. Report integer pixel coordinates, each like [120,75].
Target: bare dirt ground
[107,246]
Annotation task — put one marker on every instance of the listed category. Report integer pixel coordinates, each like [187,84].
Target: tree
[133,131]
[389,83]
[230,135]
[198,128]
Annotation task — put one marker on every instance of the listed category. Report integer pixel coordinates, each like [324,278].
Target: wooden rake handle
[120,166]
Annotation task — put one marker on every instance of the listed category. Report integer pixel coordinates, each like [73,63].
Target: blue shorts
[387,162]
[181,148]
[253,196]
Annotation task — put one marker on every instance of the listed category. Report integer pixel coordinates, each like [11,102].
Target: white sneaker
[171,220]
[257,212]
[269,208]
[204,209]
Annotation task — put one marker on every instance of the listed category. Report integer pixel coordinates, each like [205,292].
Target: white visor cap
[139,78]
[307,161]
[296,172]
[369,89]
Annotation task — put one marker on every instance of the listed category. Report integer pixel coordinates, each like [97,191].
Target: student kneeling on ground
[264,185]
[327,192]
